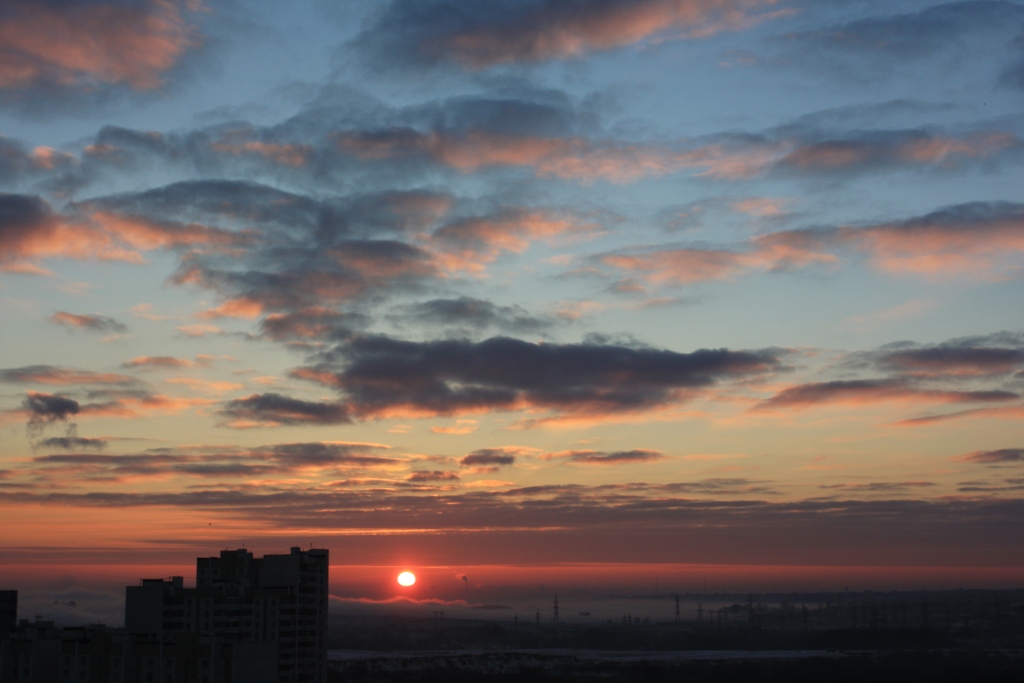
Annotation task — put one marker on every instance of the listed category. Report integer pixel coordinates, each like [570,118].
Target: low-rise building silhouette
[42,652]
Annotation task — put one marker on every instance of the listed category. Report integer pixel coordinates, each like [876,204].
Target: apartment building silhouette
[273,608]
[247,620]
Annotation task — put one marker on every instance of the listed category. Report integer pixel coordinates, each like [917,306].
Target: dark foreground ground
[538,667]
[879,638]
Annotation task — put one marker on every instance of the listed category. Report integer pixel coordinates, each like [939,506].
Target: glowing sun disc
[406,578]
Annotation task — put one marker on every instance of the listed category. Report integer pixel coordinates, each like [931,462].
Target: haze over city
[612,299]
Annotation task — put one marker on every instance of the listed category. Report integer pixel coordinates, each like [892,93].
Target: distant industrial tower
[555,620]
[677,608]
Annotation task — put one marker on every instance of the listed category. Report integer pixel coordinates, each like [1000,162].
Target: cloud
[198,330]
[300,254]
[470,243]
[384,377]
[272,410]
[50,46]
[287,154]
[568,158]
[469,313]
[158,362]
[867,392]
[885,40]
[962,239]
[498,457]
[880,486]
[681,522]
[335,453]
[1003,455]
[433,475]
[953,360]
[796,149]
[71,443]
[977,239]
[310,324]
[111,401]
[205,385]
[688,265]
[488,33]
[90,323]
[588,457]
[716,486]
[223,462]
[57,376]
[146,233]
[48,409]
[20,165]
[30,230]
[1011,412]
[460,428]
[894,149]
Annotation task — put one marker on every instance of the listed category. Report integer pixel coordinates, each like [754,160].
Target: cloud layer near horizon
[581,280]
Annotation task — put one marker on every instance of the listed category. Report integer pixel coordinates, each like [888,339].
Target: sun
[406,578]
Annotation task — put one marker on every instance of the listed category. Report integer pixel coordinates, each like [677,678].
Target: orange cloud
[285,154]
[91,323]
[471,243]
[558,31]
[973,243]
[684,266]
[567,158]
[48,158]
[34,231]
[146,404]
[981,239]
[242,307]
[198,330]
[212,386]
[939,150]
[46,235]
[56,376]
[615,161]
[158,362]
[79,45]
[147,234]
[460,427]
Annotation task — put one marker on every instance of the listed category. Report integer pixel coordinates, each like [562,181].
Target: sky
[553,293]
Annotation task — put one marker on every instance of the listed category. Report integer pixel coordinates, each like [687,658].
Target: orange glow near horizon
[676,577]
